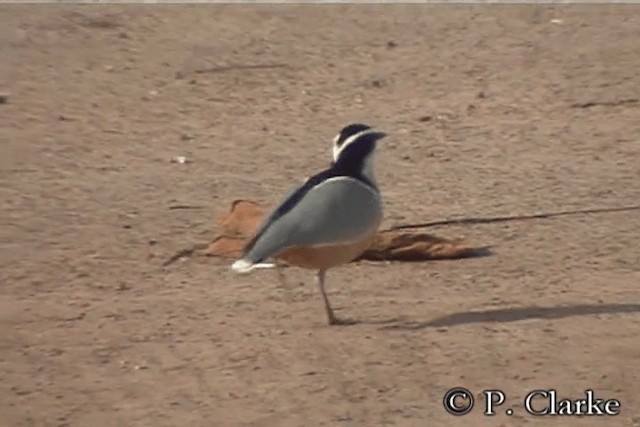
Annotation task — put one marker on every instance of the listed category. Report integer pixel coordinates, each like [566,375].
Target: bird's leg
[333,320]
[327,306]
[281,277]
[284,285]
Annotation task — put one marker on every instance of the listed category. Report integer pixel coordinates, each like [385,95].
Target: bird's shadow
[504,315]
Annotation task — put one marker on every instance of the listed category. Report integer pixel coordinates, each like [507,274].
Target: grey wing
[269,218]
[338,210]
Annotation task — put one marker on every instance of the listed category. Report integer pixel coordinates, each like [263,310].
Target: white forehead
[336,149]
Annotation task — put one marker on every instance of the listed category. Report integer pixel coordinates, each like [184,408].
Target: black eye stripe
[352,158]
[350,130]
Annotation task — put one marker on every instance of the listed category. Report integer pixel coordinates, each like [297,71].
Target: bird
[330,219]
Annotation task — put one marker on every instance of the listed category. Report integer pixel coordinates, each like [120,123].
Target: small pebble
[180,159]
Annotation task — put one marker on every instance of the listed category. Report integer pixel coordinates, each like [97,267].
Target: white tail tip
[244,266]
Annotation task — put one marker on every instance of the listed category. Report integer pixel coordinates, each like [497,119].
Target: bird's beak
[379,135]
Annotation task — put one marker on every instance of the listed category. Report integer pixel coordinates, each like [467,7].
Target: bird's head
[345,134]
[354,148]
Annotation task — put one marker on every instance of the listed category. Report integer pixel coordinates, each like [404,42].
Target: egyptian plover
[330,219]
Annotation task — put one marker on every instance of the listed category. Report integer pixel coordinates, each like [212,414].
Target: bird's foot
[333,320]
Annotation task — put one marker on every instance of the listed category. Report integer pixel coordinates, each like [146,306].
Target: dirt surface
[491,110]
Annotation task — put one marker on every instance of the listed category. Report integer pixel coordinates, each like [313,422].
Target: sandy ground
[490,110]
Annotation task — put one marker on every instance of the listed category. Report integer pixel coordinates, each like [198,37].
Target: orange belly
[324,257]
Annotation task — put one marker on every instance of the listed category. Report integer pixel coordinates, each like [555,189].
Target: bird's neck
[356,168]
[367,171]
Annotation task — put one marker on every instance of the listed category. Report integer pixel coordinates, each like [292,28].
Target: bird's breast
[328,255]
